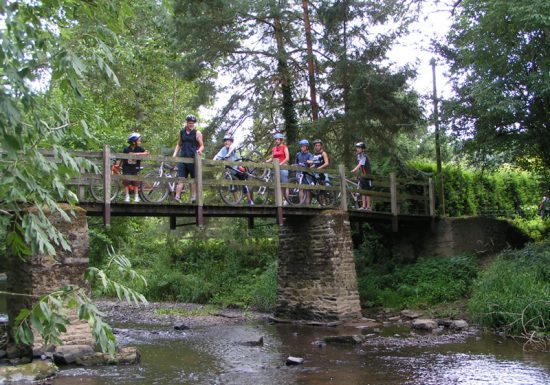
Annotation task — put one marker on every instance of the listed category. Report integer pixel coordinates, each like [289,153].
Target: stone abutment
[317,278]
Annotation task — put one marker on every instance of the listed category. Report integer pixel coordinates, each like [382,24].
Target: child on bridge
[132,166]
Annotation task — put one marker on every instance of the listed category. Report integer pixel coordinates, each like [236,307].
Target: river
[222,355]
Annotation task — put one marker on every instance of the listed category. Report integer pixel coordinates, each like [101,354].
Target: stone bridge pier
[317,278]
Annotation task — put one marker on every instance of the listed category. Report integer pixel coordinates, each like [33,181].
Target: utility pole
[437,142]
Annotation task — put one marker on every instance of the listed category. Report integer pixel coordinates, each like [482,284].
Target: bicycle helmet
[278,136]
[360,145]
[134,136]
[191,118]
[318,141]
[228,137]
[303,142]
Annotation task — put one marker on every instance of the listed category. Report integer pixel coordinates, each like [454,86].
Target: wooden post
[278,191]
[200,197]
[343,188]
[394,208]
[81,187]
[106,185]
[432,197]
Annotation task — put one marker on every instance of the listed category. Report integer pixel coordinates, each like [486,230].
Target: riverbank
[175,314]
[387,330]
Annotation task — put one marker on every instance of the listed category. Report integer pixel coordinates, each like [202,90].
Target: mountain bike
[96,185]
[233,194]
[157,191]
[297,196]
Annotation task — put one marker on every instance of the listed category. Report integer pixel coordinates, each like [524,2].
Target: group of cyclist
[190,142]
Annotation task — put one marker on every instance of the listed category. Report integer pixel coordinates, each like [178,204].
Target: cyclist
[304,158]
[189,143]
[280,152]
[320,157]
[227,152]
[365,182]
[132,166]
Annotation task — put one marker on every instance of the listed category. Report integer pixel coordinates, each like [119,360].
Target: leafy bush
[428,281]
[513,294]
[506,192]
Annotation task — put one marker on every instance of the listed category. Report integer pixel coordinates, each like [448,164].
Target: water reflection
[221,355]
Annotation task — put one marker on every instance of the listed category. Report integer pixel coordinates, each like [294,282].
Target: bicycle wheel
[354,201]
[96,189]
[153,191]
[258,171]
[326,198]
[293,193]
[231,194]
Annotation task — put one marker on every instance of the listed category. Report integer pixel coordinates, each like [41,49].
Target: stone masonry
[42,274]
[317,278]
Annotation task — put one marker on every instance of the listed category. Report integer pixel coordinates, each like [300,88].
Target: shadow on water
[221,355]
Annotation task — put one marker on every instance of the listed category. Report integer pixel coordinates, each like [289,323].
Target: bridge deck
[183,210]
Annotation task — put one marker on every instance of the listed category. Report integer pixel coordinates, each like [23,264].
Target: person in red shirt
[280,152]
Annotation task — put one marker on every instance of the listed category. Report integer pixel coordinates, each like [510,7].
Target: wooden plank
[222,163]
[278,191]
[394,207]
[153,158]
[81,189]
[106,185]
[343,188]
[431,193]
[199,189]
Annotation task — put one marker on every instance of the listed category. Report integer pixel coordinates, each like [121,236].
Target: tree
[35,61]
[499,54]
[363,99]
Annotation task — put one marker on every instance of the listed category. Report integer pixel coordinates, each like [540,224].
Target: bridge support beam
[317,278]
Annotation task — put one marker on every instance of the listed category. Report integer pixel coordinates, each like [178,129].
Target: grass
[200,311]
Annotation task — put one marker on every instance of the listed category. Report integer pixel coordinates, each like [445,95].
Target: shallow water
[221,355]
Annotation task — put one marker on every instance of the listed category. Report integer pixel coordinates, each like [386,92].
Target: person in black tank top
[189,143]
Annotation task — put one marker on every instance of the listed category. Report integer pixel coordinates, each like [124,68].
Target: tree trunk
[310,63]
[289,115]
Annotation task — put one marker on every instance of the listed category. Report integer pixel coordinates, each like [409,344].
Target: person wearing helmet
[280,152]
[320,156]
[189,143]
[227,152]
[365,182]
[304,158]
[132,166]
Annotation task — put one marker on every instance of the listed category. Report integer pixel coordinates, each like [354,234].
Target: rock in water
[35,371]
[424,324]
[181,327]
[294,361]
[68,354]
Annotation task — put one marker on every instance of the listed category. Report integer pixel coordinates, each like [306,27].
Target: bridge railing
[389,194]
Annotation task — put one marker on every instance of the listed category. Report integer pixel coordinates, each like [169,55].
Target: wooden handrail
[396,191]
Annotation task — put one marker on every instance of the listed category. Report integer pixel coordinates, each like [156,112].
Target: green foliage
[49,315]
[384,280]
[231,266]
[512,294]
[506,192]
[499,57]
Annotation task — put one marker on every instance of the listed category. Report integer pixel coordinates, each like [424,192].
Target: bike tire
[293,193]
[153,191]
[354,201]
[96,189]
[232,195]
[258,171]
[326,198]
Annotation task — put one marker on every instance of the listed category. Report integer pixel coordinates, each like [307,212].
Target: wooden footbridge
[100,193]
